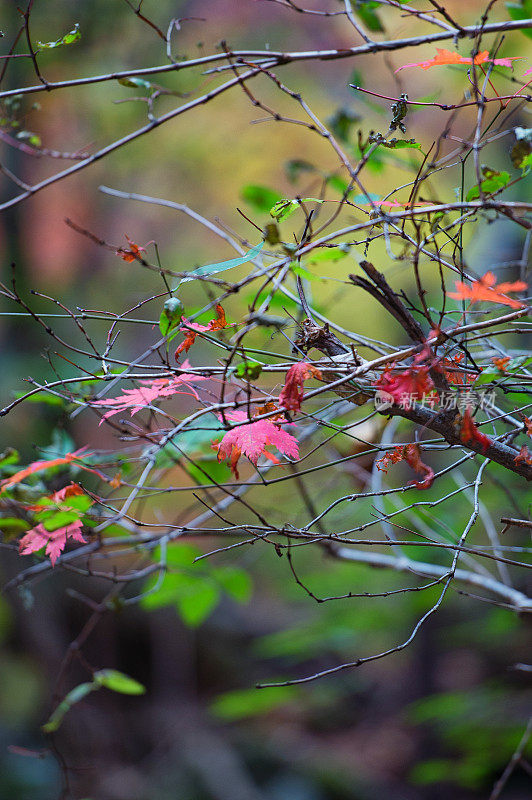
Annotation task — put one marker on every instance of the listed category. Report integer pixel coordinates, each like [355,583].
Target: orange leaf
[501,363]
[68,491]
[292,392]
[131,254]
[186,344]
[458,378]
[412,455]
[220,321]
[191,330]
[487,289]
[116,482]
[443,57]
[524,455]
[39,466]
[392,457]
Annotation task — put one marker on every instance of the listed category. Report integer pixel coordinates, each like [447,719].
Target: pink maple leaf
[252,439]
[137,399]
[55,541]
[292,392]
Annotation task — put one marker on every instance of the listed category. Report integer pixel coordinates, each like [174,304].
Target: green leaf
[170,315]
[493,181]
[242,703]
[260,197]
[365,11]
[295,167]
[342,121]
[68,38]
[118,682]
[211,470]
[43,397]
[73,697]
[248,371]
[526,164]
[195,599]
[30,137]
[234,581]
[193,595]
[221,266]
[521,10]
[333,254]
[402,144]
[299,269]
[9,456]
[82,502]
[179,554]
[54,520]
[435,770]
[285,208]
[356,78]
[522,150]
[13,523]
[136,83]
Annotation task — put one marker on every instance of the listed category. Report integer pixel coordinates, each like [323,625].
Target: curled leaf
[469,432]
[68,38]
[410,453]
[291,395]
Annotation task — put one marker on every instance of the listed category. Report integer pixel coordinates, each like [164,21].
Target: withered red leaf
[291,395]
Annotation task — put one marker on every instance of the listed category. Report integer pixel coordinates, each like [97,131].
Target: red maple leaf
[443,57]
[67,491]
[470,433]
[412,455]
[524,455]
[55,541]
[191,329]
[252,439]
[291,395]
[487,289]
[131,254]
[137,399]
[406,386]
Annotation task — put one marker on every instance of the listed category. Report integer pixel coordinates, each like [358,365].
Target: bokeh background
[438,720]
